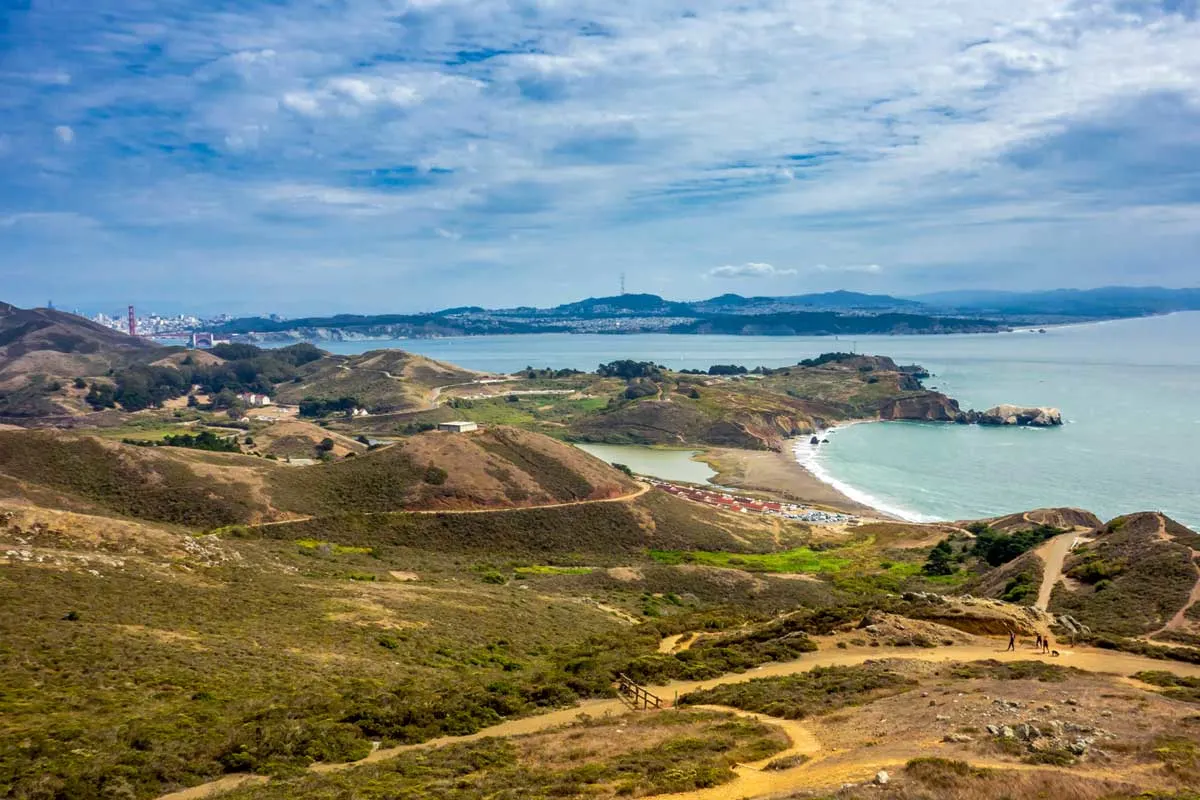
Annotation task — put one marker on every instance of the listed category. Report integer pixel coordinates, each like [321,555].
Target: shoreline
[780,473]
[805,455]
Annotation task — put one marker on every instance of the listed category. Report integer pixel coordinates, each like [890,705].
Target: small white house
[458,426]
[254,400]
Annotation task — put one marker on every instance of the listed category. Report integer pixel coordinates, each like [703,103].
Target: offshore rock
[1018,415]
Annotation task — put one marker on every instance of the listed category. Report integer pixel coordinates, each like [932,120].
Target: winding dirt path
[1180,618]
[625,498]
[752,781]
[1053,553]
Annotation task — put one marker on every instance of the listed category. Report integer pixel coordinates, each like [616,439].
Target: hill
[1137,575]
[759,410]
[379,380]
[42,349]
[1109,301]
[494,468]
[498,468]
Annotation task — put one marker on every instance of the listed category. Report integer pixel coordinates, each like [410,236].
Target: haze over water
[1130,391]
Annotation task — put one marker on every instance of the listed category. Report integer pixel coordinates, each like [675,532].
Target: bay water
[1129,391]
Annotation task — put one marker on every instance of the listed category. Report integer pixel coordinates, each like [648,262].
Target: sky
[276,156]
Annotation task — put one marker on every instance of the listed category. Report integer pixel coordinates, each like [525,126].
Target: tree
[101,396]
[325,446]
[80,383]
[940,560]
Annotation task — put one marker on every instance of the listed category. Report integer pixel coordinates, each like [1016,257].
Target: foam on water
[809,457]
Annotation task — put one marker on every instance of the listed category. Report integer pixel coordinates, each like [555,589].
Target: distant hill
[824,301]
[1110,301]
[379,380]
[42,350]
[496,468]
[55,343]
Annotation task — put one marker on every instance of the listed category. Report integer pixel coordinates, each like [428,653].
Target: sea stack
[1017,415]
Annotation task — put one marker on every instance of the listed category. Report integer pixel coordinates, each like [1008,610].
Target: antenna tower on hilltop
[132,322]
[622,283]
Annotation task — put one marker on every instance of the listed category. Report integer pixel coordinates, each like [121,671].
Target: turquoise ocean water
[1130,391]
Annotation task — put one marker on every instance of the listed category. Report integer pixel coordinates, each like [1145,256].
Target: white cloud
[839,132]
[750,269]
[64,134]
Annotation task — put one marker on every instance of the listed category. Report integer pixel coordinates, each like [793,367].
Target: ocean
[1129,390]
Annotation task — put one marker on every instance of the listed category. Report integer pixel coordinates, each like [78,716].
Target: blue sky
[378,155]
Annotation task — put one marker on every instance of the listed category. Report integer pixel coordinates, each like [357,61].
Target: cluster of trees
[312,407]
[546,372]
[989,546]
[629,370]
[246,369]
[205,440]
[727,369]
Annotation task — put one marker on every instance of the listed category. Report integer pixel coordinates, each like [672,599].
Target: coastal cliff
[936,407]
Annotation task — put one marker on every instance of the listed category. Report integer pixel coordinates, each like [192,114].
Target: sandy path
[1053,553]
[642,489]
[214,788]
[1180,618]
[755,782]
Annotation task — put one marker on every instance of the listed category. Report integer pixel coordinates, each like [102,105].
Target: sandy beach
[780,474]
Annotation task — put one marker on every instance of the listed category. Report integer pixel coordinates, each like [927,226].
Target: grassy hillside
[1132,577]
[498,467]
[380,380]
[184,487]
[43,350]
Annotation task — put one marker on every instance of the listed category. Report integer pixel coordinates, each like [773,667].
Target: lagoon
[669,465]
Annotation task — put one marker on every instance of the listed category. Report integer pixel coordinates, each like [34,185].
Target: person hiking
[1039,642]
[1012,642]
[1046,644]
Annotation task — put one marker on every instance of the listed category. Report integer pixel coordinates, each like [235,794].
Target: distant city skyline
[382,155]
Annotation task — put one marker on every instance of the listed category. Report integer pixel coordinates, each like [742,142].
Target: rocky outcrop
[1018,415]
[936,407]
[927,407]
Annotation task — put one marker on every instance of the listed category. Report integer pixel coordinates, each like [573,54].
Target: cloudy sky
[382,155]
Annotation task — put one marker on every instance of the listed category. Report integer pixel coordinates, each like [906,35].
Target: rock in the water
[1018,415]
[881,778]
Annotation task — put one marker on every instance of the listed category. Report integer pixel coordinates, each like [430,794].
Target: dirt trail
[1180,618]
[214,788]
[1053,553]
[752,781]
[642,489]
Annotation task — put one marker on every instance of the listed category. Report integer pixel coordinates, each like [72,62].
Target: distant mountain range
[833,313]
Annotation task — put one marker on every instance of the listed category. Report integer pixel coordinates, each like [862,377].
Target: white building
[459,426]
[254,400]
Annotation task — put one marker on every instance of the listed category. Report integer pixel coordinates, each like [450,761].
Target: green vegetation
[1021,588]
[630,370]
[798,560]
[1177,687]
[545,569]
[246,369]
[649,754]
[142,484]
[1014,671]
[1134,581]
[818,691]
[204,440]
[313,407]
